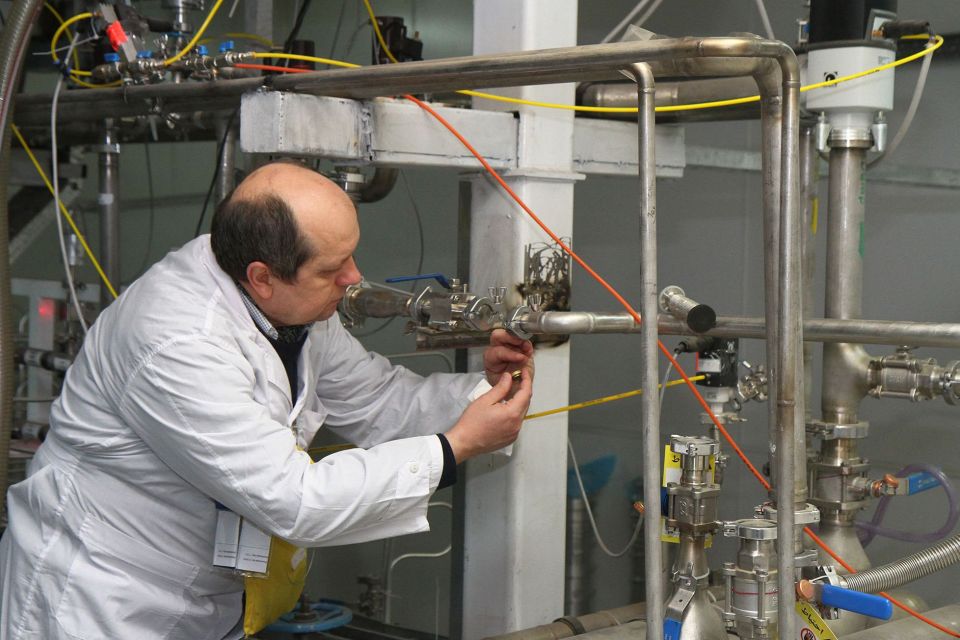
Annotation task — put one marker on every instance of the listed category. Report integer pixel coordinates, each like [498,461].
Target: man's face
[328,222]
[318,288]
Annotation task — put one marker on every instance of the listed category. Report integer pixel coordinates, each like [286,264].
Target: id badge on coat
[240,545]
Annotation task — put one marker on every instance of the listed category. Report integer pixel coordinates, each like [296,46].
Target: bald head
[282,214]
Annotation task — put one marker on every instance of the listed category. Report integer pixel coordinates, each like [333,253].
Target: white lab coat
[175,401]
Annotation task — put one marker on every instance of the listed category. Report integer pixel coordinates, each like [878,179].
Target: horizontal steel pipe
[921,334]
[544,66]
[74,106]
[590,62]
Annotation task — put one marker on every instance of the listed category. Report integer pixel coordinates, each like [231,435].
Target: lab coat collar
[239,314]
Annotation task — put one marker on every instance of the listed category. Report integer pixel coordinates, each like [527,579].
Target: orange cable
[636,316]
[663,349]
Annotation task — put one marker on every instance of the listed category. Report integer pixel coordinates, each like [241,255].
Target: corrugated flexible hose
[913,567]
[13,47]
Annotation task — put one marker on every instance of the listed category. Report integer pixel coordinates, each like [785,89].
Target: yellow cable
[64,25]
[604,400]
[532,416]
[297,56]
[376,30]
[196,37]
[56,14]
[63,210]
[937,43]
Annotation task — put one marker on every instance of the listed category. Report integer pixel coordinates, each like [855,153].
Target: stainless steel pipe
[109,201]
[885,332]
[649,367]
[789,383]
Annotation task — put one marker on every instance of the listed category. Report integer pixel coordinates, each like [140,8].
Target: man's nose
[350,274]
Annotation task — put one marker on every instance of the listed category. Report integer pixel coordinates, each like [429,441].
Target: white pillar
[515,507]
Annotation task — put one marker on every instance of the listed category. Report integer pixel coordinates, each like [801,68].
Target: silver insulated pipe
[913,567]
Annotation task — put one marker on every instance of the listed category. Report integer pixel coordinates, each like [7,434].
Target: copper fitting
[806,590]
[638,507]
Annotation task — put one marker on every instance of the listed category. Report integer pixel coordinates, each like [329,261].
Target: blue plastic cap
[672,629]
[202,50]
[144,54]
[111,57]
[917,482]
[863,603]
[226,45]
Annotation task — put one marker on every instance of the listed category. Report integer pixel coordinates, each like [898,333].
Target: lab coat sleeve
[192,404]
[369,401]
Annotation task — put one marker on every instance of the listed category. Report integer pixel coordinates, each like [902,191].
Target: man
[190,407]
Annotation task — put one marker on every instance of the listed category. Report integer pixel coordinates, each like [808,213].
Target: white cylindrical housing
[869,94]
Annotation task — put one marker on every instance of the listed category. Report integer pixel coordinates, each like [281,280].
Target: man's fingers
[506,354]
[525,391]
[500,391]
[502,337]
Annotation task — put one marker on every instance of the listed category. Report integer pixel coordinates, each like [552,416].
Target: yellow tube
[63,210]
[196,37]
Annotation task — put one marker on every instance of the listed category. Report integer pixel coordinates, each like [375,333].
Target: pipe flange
[664,299]
[831,431]
[850,138]
[481,315]
[751,529]
[512,325]
[951,383]
[694,445]
[807,558]
[807,514]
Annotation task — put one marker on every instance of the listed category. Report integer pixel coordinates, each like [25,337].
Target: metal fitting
[903,376]
[694,446]
[699,317]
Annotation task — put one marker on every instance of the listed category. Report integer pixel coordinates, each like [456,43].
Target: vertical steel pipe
[843,389]
[790,332]
[649,372]
[109,200]
[771,113]
[809,179]
[226,175]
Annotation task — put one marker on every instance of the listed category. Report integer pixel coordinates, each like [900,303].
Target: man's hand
[507,354]
[493,420]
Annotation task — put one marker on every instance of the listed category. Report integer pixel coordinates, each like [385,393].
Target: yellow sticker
[671,473]
[812,626]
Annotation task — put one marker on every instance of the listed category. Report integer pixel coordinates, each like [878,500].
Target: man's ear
[260,279]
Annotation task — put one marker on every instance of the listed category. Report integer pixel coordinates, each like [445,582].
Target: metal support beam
[514,563]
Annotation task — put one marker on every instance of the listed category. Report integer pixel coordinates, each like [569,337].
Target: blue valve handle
[863,603]
[672,629]
[439,277]
[922,481]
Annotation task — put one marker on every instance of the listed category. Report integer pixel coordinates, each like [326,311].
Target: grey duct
[13,48]
[379,185]
[619,94]
[226,130]
[913,567]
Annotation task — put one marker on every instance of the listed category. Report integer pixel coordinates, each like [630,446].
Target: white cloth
[175,401]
